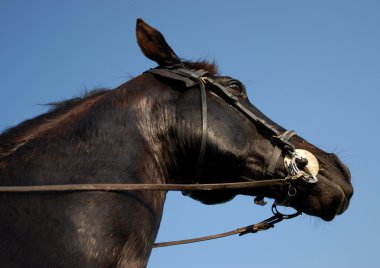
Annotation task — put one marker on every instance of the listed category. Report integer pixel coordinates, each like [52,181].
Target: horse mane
[65,113]
[68,110]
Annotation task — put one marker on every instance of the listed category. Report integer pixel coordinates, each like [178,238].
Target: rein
[254,228]
[109,187]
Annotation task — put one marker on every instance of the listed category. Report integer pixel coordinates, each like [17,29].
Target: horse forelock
[61,116]
[211,67]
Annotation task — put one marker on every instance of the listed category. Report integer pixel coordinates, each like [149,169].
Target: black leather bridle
[283,145]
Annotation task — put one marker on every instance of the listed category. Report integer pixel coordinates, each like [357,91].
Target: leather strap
[171,75]
[106,187]
[202,149]
[285,137]
[191,78]
[254,228]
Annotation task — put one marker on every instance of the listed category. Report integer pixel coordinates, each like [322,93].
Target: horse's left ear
[154,46]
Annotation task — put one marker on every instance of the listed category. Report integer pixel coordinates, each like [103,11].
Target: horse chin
[326,199]
[211,198]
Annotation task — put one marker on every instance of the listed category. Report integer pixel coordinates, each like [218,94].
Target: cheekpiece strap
[284,138]
[191,78]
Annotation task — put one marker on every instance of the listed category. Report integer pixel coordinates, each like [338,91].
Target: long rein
[117,187]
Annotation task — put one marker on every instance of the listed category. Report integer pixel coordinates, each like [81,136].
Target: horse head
[239,142]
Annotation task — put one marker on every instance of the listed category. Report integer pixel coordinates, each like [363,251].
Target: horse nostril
[342,167]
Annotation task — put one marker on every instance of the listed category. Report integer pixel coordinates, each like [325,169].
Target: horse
[182,123]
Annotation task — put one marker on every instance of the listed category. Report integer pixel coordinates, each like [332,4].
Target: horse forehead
[224,78]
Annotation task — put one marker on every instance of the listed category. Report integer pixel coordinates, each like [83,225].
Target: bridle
[296,163]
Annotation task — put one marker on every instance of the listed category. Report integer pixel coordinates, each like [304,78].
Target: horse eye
[235,85]
[237,88]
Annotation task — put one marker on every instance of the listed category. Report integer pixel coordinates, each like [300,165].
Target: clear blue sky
[312,66]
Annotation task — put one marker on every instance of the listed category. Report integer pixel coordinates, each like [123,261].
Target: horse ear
[154,46]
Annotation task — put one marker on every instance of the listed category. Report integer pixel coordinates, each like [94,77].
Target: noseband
[300,164]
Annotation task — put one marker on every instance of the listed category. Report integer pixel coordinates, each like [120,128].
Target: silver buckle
[308,172]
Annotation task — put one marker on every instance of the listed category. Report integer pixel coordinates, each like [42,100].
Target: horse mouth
[344,204]
[326,199]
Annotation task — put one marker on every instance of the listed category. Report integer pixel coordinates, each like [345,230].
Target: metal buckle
[302,164]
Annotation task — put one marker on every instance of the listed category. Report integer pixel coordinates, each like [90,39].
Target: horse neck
[118,140]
